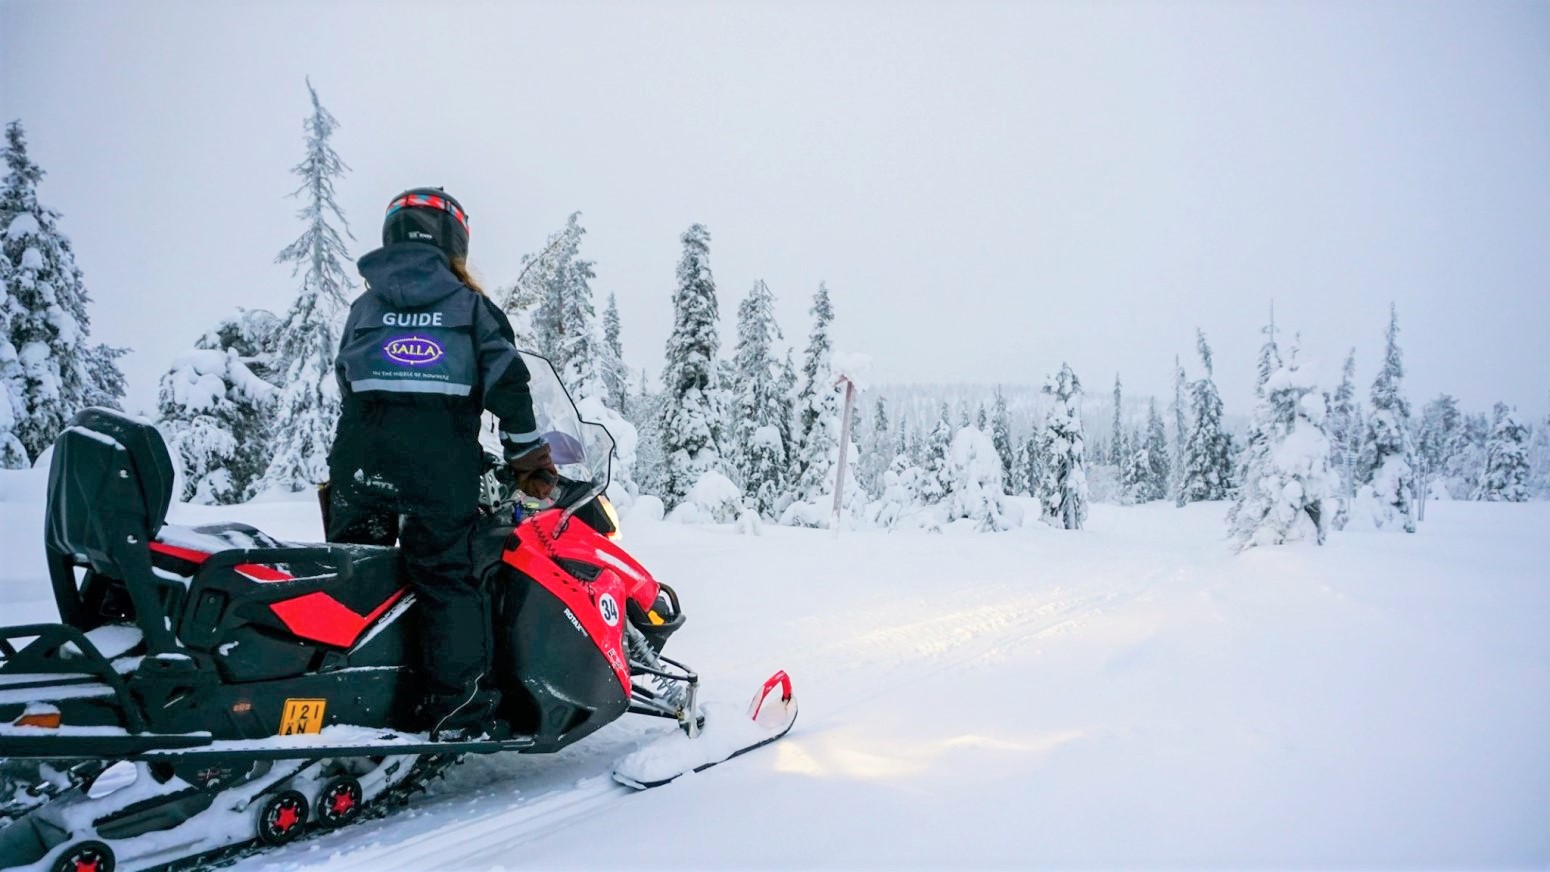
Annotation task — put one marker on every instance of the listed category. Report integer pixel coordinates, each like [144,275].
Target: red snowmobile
[211,686]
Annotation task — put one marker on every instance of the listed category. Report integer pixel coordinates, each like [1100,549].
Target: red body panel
[321,618]
[597,604]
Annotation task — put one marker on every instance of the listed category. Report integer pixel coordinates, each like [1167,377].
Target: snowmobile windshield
[582,450]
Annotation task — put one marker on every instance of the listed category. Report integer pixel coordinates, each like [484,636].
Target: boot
[463,717]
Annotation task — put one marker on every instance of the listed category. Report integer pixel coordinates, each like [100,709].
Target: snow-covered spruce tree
[525,300]
[251,334]
[1155,446]
[1001,435]
[982,420]
[789,422]
[1117,456]
[1207,460]
[1506,477]
[307,408]
[1435,439]
[13,455]
[1345,428]
[1133,468]
[213,405]
[213,410]
[1063,486]
[1467,464]
[688,411]
[975,485]
[1539,460]
[51,364]
[1388,475]
[645,413]
[565,321]
[615,378]
[818,409]
[1179,409]
[758,454]
[936,480]
[1033,466]
[1287,486]
[1255,457]
[877,449]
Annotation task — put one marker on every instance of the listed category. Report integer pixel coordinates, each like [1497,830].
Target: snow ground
[1130,695]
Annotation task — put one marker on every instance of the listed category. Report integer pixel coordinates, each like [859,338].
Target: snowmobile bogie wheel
[282,818]
[90,856]
[340,802]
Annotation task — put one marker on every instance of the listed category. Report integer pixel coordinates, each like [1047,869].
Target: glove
[534,467]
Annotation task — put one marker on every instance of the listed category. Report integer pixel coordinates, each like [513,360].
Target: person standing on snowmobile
[423,353]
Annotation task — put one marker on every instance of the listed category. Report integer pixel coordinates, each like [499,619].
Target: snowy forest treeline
[748,430]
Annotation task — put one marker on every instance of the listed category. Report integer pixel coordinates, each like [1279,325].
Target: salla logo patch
[413,350]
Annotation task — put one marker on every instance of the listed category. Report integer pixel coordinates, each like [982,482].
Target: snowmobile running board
[185,749]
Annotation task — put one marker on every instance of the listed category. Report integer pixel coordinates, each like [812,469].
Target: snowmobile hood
[409,275]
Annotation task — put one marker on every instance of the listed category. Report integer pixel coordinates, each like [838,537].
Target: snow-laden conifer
[1466,463]
[47,360]
[1179,409]
[1506,476]
[1032,466]
[878,447]
[1001,435]
[1117,455]
[789,422]
[1207,473]
[1436,439]
[818,408]
[1063,485]
[758,454]
[1133,468]
[975,487]
[543,274]
[307,409]
[213,410]
[1345,426]
[936,478]
[1255,457]
[1286,490]
[1388,472]
[645,413]
[13,404]
[611,363]
[564,319]
[688,422]
[1154,485]
[1539,460]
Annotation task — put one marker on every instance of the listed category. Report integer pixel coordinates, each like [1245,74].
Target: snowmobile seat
[109,487]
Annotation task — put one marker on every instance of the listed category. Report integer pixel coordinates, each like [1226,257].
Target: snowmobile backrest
[109,488]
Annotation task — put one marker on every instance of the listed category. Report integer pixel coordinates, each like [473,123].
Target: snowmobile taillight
[655,618]
[46,720]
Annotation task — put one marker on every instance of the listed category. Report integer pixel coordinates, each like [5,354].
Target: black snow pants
[434,535]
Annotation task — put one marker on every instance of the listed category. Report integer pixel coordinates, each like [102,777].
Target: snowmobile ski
[726,734]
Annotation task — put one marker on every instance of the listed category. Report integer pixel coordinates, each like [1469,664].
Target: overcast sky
[988,189]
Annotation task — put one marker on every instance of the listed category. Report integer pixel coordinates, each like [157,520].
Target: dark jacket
[421,356]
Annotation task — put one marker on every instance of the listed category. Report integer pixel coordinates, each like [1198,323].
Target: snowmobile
[209,687]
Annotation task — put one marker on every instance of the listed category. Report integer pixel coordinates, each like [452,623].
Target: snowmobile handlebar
[501,489]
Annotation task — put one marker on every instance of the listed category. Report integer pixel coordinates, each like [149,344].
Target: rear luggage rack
[42,657]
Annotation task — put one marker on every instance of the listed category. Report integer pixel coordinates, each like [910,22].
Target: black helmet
[427,215]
